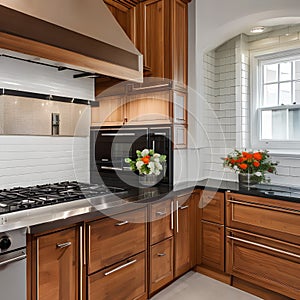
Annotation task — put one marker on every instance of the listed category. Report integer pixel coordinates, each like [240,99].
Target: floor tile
[195,286]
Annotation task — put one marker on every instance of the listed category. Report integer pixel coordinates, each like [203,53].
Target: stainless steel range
[21,198]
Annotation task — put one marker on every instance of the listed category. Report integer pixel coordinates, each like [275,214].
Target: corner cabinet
[57,258]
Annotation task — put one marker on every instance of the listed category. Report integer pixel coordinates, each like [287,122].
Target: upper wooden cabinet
[125,13]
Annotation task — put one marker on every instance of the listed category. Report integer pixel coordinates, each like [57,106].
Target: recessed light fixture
[258,29]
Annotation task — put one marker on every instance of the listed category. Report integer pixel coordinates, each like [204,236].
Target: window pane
[294,124]
[266,125]
[297,69]
[270,95]
[285,71]
[279,126]
[271,73]
[297,92]
[285,93]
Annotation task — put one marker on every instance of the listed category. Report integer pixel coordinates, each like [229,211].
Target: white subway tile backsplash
[30,160]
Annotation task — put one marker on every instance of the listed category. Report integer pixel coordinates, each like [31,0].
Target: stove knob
[5,243]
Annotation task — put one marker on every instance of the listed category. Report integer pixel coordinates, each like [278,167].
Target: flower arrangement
[148,162]
[249,162]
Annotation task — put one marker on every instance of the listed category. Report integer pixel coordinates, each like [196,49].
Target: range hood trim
[69,58]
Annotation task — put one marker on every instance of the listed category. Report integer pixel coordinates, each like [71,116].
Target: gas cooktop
[21,198]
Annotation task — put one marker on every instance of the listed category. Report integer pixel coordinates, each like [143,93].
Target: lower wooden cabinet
[124,280]
[184,234]
[113,239]
[212,245]
[58,265]
[161,264]
[264,261]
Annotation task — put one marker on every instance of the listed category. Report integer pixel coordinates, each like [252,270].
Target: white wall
[227,89]
[31,160]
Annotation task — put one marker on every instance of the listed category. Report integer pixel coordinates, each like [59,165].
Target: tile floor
[195,286]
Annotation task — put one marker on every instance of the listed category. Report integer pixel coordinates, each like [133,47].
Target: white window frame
[256,59]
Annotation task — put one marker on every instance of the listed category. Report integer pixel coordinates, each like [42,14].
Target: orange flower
[257,156]
[232,161]
[243,166]
[256,164]
[146,160]
[247,155]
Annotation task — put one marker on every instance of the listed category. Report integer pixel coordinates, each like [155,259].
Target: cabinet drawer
[212,205]
[113,239]
[161,264]
[264,216]
[264,261]
[212,245]
[162,221]
[125,280]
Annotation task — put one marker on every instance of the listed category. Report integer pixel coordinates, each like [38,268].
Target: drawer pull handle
[161,213]
[161,254]
[122,223]
[63,245]
[120,267]
[264,246]
[184,207]
[287,210]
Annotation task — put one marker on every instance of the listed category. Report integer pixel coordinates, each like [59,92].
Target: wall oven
[110,146]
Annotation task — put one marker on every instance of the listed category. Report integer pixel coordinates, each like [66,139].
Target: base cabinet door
[212,245]
[183,227]
[125,280]
[263,261]
[58,265]
[161,264]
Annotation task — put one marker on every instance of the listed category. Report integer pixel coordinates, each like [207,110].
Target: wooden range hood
[75,33]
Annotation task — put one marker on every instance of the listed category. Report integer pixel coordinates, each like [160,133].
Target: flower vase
[248,180]
[149,180]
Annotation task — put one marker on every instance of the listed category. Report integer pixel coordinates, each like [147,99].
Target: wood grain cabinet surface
[210,231]
[184,256]
[124,280]
[263,242]
[57,265]
[114,239]
[161,264]
[161,221]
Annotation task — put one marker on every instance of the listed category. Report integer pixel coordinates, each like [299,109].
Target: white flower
[156,159]
[151,166]
[258,174]
[158,166]
[235,168]
[145,152]
[156,155]
[139,164]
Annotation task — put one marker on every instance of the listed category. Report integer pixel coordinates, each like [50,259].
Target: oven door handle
[11,260]
[118,134]
[111,168]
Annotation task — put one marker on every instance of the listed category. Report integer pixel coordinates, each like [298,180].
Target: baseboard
[220,276]
[257,290]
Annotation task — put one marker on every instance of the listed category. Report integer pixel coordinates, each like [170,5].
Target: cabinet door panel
[212,205]
[113,239]
[57,265]
[183,237]
[161,218]
[110,111]
[180,136]
[151,108]
[179,33]
[264,261]
[161,264]
[152,36]
[264,216]
[212,245]
[125,280]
